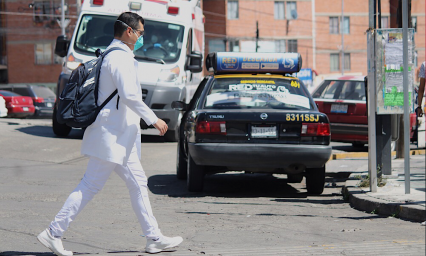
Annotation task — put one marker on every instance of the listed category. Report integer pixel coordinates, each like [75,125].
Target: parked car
[3,109]
[255,122]
[17,105]
[343,99]
[43,97]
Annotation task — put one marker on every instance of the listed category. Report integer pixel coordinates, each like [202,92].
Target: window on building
[347,61]
[292,46]
[232,10]
[43,53]
[414,23]
[280,46]
[334,62]
[279,10]
[217,45]
[346,27]
[234,45]
[47,10]
[334,25]
[291,13]
[385,22]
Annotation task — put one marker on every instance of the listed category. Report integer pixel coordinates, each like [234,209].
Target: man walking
[112,142]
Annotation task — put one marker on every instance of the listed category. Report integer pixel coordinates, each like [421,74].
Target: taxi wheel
[181,163]
[294,178]
[315,180]
[195,179]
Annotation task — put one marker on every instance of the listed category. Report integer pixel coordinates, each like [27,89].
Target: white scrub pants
[94,179]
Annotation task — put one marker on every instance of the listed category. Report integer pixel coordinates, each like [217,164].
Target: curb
[337,156]
[359,199]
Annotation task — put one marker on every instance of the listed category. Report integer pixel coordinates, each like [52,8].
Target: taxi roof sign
[240,62]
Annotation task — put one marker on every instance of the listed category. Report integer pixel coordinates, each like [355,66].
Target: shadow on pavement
[46,131]
[13,253]
[234,185]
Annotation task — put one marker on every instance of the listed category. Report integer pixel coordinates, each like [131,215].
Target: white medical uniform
[113,143]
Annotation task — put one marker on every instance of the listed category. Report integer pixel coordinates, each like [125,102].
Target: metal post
[257,35]
[371,66]
[343,43]
[406,98]
[63,16]
[313,36]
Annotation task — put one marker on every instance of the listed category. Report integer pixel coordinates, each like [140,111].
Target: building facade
[29,28]
[311,27]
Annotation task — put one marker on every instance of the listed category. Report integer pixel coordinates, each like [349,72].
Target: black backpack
[78,103]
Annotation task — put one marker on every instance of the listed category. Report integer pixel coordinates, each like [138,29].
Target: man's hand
[161,126]
[419,112]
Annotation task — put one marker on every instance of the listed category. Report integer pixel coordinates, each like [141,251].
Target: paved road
[237,214]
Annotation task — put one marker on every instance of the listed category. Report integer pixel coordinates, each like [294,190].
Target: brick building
[28,30]
[292,25]
[27,40]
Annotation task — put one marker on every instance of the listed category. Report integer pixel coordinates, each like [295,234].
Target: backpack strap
[116,91]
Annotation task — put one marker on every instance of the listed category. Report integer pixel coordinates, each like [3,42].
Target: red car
[17,105]
[343,99]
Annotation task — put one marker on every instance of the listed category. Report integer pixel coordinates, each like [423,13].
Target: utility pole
[343,43]
[64,22]
[257,35]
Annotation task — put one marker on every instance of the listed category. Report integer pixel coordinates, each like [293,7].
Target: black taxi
[251,115]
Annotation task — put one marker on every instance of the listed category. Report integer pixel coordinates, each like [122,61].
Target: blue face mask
[138,44]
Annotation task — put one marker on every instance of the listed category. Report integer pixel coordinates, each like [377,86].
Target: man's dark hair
[130,18]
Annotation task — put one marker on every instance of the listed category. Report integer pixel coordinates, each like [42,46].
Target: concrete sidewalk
[391,199]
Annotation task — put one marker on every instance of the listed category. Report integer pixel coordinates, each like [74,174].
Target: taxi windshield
[259,93]
[161,40]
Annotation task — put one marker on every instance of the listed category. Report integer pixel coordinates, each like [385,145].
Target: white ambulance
[170,61]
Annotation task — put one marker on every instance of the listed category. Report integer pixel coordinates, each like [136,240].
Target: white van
[170,61]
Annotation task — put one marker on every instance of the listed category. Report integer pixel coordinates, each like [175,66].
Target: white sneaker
[162,244]
[54,244]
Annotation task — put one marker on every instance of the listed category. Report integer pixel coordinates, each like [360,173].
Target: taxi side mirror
[194,62]
[179,105]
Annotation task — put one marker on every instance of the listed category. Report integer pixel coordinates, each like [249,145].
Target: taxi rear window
[263,93]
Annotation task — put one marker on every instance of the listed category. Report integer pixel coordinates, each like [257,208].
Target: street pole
[343,43]
[313,36]
[371,66]
[257,35]
[406,98]
[63,16]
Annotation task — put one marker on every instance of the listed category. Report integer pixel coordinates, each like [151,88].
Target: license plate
[25,108]
[49,104]
[339,108]
[263,132]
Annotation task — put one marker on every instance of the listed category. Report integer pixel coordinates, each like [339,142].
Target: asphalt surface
[235,215]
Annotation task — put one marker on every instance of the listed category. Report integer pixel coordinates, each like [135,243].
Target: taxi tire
[195,179]
[181,163]
[61,130]
[315,180]
[294,178]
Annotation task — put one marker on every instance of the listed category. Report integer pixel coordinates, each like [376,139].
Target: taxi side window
[197,93]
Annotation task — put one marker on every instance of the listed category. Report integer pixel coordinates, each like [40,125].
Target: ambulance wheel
[61,130]
[315,180]
[195,179]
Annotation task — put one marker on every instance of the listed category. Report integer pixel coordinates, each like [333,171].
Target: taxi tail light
[211,127]
[315,129]
[173,10]
[98,2]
